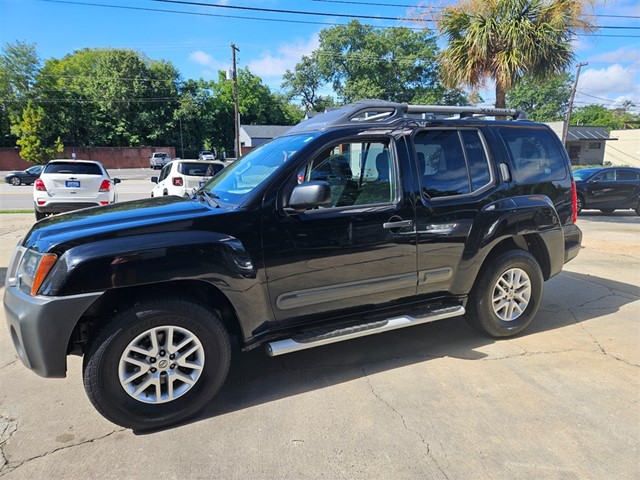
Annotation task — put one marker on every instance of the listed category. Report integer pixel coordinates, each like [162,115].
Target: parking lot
[437,401]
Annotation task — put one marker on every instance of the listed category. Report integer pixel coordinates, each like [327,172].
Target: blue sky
[198,42]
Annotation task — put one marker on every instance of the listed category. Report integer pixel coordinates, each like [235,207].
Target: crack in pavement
[404,423]
[12,466]
[12,362]
[8,427]
[597,343]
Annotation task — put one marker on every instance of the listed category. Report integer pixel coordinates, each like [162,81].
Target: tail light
[177,181]
[39,185]
[574,202]
[105,186]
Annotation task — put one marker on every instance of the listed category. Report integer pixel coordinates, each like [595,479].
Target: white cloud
[212,65]
[286,58]
[621,55]
[609,86]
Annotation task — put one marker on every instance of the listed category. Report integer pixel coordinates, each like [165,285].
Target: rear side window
[198,169]
[73,167]
[628,175]
[451,162]
[535,154]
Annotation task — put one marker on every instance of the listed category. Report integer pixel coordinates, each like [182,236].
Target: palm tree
[505,40]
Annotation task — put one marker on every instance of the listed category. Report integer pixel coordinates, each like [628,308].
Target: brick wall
[110,157]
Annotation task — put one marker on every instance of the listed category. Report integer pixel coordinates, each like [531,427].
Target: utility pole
[565,127]
[236,109]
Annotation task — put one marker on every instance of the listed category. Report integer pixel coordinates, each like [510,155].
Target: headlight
[33,269]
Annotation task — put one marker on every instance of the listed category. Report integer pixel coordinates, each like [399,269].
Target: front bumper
[40,326]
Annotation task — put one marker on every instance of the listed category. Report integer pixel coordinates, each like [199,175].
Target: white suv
[66,185]
[181,177]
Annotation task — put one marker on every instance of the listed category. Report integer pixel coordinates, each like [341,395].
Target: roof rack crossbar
[465,111]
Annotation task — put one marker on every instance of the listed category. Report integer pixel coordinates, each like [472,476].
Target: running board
[320,337]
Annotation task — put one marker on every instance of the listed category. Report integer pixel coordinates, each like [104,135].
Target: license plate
[72,184]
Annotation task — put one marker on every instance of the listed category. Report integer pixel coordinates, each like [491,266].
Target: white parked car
[181,177]
[206,155]
[66,185]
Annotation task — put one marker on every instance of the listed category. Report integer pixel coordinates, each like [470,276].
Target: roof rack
[380,112]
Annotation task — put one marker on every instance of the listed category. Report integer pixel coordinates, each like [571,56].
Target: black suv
[365,219]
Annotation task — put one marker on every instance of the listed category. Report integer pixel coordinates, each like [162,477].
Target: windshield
[583,174]
[235,183]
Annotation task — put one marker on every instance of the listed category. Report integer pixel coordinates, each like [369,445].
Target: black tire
[15,181]
[40,215]
[637,209]
[491,296]
[104,367]
[607,210]
[580,203]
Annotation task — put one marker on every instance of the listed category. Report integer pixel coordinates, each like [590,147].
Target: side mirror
[309,195]
[116,181]
[154,179]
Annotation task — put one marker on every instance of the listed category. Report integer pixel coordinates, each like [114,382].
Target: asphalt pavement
[437,401]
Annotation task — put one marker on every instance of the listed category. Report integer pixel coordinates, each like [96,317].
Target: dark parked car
[362,220]
[608,188]
[26,177]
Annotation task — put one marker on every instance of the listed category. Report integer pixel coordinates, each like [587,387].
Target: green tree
[597,115]
[360,61]
[542,100]
[32,133]
[19,65]
[506,40]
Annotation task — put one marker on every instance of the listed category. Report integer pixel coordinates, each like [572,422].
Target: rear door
[80,180]
[628,187]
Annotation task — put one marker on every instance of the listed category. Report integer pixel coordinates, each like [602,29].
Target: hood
[152,215]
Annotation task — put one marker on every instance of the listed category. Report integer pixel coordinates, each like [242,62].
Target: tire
[15,181]
[637,209]
[506,295]
[115,367]
[40,215]
[580,203]
[607,210]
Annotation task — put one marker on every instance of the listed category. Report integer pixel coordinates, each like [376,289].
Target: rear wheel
[40,215]
[638,208]
[580,203]
[157,363]
[506,295]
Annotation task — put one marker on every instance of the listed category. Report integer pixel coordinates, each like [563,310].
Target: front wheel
[157,363]
[506,295]
[15,181]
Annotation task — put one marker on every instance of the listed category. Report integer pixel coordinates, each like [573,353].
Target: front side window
[606,176]
[358,173]
[451,162]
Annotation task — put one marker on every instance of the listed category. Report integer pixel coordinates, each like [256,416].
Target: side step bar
[320,337]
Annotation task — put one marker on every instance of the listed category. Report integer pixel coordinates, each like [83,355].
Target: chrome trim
[289,345]
[342,291]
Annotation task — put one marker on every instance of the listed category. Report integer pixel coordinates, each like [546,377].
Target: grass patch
[2,212]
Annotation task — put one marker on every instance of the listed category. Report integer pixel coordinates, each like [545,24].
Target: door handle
[398,224]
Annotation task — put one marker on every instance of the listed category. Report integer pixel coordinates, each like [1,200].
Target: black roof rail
[380,112]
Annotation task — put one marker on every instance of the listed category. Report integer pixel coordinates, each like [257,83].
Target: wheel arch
[118,299]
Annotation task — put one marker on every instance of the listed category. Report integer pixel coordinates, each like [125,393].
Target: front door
[356,253]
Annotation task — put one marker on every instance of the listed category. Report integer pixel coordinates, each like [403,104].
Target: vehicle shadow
[255,378]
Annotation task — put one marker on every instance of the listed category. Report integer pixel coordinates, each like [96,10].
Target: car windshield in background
[239,179]
[583,174]
[76,168]
[197,169]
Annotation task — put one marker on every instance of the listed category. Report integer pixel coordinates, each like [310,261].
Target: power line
[323,14]
[279,20]
[406,5]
